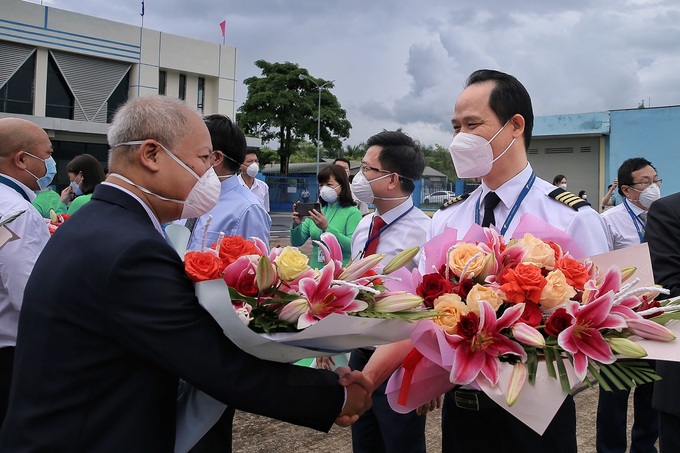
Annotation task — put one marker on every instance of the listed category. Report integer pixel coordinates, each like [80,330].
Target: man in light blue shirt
[238,212]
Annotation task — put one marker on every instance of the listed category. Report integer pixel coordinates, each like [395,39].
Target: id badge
[320,258]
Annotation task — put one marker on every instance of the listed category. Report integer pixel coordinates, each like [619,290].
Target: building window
[201,94]
[118,97]
[59,97]
[182,86]
[16,96]
[162,81]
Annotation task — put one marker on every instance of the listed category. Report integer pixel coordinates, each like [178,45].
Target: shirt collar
[636,209]
[29,193]
[392,215]
[509,191]
[154,219]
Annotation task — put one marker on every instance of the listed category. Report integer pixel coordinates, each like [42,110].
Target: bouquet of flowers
[293,311]
[506,307]
[56,220]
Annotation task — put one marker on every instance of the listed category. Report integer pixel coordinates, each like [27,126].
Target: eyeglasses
[647,183]
[365,168]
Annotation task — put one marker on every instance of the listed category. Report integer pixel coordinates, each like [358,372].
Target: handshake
[359,389]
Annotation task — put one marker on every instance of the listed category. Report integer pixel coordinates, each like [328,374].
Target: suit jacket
[110,322]
[662,233]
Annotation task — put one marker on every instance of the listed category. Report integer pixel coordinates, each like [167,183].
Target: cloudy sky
[400,63]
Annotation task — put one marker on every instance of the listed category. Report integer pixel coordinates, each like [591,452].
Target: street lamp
[318,118]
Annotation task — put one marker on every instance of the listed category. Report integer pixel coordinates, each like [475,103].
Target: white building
[68,73]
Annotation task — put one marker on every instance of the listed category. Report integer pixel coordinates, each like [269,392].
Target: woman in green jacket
[339,216]
[85,173]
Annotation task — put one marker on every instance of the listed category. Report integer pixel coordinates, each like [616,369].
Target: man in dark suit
[662,233]
[110,321]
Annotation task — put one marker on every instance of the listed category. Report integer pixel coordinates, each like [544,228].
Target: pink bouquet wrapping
[525,321]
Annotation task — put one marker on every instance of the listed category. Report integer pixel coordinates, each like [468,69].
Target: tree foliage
[280,106]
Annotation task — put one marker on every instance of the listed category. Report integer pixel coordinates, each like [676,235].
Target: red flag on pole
[223,26]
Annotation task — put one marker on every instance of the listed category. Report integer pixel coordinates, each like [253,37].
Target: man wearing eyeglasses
[625,226]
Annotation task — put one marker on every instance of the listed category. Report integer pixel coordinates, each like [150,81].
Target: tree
[280,106]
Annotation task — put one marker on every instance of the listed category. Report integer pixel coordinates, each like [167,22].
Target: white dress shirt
[620,226]
[407,231]
[18,255]
[259,188]
[585,225]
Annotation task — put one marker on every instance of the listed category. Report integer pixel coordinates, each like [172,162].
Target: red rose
[531,315]
[558,321]
[201,266]
[524,283]
[433,286]
[463,287]
[246,285]
[575,272]
[468,325]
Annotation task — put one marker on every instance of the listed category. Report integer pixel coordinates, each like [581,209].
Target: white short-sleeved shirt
[620,226]
[259,188]
[408,231]
[18,255]
[583,224]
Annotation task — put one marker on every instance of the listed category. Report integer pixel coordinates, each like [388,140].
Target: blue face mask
[76,188]
[50,171]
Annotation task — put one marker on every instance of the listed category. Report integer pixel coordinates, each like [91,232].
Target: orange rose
[452,308]
[201,266]
[234,247]
[575,272]
[524,283]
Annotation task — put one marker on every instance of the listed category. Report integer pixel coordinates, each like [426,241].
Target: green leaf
[623,374]
[532,365]
[607,372]
[600,379]
[549,358]
[562,370]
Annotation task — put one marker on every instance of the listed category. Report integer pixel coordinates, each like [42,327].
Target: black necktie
[491,200]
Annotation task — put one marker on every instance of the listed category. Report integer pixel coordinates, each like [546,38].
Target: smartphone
[304,208]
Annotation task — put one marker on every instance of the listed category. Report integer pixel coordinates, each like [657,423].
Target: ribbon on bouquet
[409,365]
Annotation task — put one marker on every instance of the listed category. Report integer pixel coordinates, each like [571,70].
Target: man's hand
[428,407]
[359,390]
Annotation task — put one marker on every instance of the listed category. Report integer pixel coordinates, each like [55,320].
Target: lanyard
[11,184]
[515,207]
[639,226]
[377,235]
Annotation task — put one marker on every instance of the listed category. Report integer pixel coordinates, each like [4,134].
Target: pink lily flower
[324,299]
[479,351]
[583,338]
[331,251]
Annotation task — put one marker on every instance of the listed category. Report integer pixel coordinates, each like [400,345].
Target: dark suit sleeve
[152,311]
[662,233]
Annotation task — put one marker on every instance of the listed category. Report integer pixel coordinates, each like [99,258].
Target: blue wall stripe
[99,52]
[118,43]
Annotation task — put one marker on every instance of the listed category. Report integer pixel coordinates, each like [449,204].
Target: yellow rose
[479,292]
[556,291]
[291,263]
[462,255]
[538,252]
[452,308]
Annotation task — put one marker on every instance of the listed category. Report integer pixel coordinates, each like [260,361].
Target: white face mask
[328,194]
[203,195]
[253,169]
[563,186]
[472,155]
[649,195]
[362,190]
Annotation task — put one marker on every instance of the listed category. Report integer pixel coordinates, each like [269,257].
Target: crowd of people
[93,350]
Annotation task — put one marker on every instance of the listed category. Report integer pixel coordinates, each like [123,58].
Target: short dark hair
[345,197]
[581,193]
[507,98]
[557,179]
[626,169]
[227,138]
[93,173]
[343,159]
[401,154]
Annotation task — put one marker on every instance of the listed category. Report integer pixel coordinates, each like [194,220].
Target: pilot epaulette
[573,201]
[454,200]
